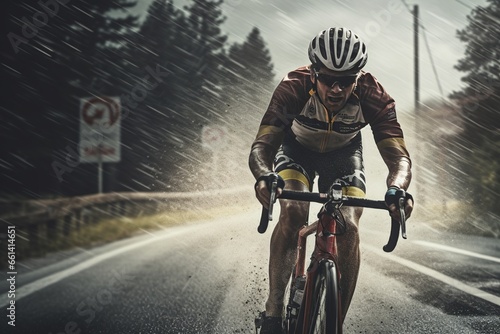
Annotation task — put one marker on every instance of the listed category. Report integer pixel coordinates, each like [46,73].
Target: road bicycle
[313,298]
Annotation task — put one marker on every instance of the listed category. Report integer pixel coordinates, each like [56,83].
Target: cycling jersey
[296,111]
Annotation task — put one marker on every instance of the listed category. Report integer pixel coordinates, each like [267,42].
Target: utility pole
[418,119]
[415,56]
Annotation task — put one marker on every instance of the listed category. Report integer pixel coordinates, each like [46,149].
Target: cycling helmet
[339,49]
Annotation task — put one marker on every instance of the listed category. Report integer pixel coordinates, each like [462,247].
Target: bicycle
[314,298]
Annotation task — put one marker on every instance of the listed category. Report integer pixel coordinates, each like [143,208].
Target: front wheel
[326,312]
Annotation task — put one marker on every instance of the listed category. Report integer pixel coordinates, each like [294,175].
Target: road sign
[100,119]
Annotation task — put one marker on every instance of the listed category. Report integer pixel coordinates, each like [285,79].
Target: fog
[386,26]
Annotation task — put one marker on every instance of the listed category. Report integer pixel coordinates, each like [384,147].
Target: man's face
[334,88]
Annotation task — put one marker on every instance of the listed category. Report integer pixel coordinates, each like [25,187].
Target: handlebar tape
[393,238]
[264,221]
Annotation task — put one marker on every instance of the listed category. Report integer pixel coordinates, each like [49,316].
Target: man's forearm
[261,159]
[399,174]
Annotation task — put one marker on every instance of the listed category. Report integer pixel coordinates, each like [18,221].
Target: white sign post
[100,119]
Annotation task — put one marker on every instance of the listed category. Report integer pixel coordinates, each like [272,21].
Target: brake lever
[272,198]
[402,216]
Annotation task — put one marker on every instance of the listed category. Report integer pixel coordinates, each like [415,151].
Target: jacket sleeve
[380,112]
[379,109]
[283,107]
[277,120]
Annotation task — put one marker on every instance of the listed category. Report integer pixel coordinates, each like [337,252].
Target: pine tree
[199,99]
[249,80]
[480,99]
[164,128]
[58,53]
[247,83]
[249,69]
[204,55]
[151,98]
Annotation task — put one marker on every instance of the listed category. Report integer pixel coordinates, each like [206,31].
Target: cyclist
[312,127]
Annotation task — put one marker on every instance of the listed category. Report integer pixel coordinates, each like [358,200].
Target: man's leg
[349,256]
[293,215]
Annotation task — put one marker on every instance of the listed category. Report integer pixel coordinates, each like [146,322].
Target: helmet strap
[314,88]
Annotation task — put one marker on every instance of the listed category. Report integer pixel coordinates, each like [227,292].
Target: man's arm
[379,109]
[261,163]
[287,100]
[396,157]
[261,159]
[399,173]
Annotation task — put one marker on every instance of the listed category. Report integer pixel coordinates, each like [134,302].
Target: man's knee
[352,216]
[293,215]
[351,234]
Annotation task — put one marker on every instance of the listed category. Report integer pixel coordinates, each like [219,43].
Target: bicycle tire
[325,318]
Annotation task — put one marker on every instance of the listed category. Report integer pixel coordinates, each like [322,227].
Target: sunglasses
[330,80]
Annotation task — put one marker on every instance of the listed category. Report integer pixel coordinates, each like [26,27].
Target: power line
[407,6]
[432,62]
[420,24]
[464,4]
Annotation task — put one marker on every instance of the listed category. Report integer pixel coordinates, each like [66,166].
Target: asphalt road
[211,277]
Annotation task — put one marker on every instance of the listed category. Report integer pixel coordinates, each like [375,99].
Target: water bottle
[300,283]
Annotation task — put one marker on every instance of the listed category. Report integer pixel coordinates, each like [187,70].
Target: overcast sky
[385,25]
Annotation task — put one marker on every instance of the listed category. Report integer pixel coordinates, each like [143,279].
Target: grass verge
[113,229]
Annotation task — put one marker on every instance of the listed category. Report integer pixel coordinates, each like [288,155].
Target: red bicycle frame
[325,250]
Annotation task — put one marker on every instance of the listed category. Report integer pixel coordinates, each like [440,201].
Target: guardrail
[48,219]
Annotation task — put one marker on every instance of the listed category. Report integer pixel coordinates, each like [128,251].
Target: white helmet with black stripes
[338,49]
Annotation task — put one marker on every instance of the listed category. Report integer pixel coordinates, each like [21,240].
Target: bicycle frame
[325,249]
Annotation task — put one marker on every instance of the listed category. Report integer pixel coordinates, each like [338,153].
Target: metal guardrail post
[51,231]
[67,222]
[46,221]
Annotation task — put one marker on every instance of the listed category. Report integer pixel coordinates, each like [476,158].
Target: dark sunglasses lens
[342,81]
[346,81]
[326,79]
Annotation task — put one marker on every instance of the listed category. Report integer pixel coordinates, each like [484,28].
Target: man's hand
[263,187]
[391,200]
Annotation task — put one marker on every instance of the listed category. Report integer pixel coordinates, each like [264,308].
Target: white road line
[437,275]
[456,250]
[37,285]
[443,247]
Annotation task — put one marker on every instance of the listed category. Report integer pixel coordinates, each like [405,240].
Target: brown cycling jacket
[295,110]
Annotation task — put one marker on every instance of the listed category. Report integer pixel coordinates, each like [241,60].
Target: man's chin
[335,106]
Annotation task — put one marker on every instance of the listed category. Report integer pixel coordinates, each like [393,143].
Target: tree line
[174,71]
[480,101]
[463,152]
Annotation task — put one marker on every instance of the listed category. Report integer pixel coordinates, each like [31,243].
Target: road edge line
[44,282]
[439,276]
